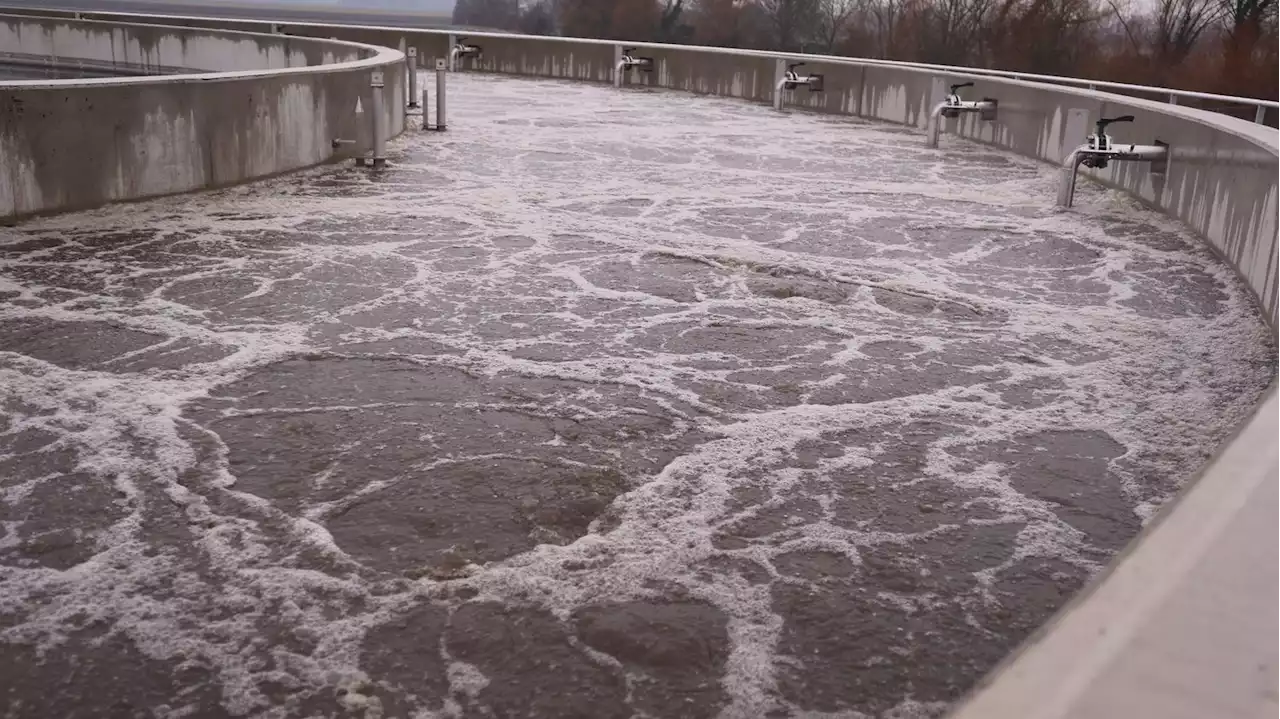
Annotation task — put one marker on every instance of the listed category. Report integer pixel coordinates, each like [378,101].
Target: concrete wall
[160,48]
[262,105]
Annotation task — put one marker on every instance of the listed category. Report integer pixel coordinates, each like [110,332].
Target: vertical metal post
[1260,115]
[413,76]
[617,64]
[378,112]
[779,69]
[1173,99]
[1067,182]
[937,93]
[441,71]
[1075,130]
[453,41]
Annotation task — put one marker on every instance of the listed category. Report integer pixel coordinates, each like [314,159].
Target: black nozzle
[957,87]
[1104,121]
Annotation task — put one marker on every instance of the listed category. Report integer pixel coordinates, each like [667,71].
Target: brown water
[602,404]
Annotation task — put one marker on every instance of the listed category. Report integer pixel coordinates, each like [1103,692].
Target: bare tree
[538,18]
[1243,12]
[585,18]
[1044,36]
[1247,22]
[886,16]
[1122,17]
[833,20]
[671,22]
[792,20]
[947,31]
[1177,27]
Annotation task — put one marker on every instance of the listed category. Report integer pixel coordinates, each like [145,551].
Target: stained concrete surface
[679,407]
[78,145]
[53,72]
[244,10]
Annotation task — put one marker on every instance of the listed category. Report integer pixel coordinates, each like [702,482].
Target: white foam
[749,194]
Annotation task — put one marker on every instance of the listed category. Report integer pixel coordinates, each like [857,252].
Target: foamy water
[604,403]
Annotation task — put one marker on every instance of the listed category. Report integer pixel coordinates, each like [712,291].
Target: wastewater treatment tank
[673,407]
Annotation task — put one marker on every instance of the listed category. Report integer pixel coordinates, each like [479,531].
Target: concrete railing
[243,106]
[1221,180]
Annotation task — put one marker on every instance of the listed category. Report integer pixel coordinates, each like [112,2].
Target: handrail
[1171,93]
[848,60]
[874,62]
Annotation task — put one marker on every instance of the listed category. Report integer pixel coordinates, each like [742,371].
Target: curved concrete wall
[1153,636]
[249,106]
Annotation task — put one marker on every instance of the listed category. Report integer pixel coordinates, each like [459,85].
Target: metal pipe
[1140,152]
[777,93]
[379,132]
[453,57]
[935,125]
[440,118]
[617,75]
[1158,155]
[413,77]
[1067,184]
[1260,115]
[986,109]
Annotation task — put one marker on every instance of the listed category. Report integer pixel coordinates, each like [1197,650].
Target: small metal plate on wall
[1161,165]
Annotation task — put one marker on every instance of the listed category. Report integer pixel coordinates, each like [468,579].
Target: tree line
[1218,46]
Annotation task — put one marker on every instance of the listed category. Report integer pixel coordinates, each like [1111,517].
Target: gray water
[600,404]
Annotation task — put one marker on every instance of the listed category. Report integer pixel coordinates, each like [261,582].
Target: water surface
[602,404]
